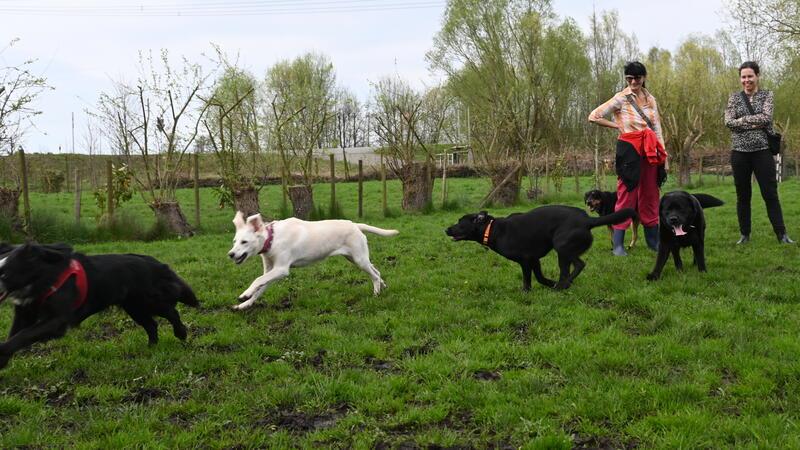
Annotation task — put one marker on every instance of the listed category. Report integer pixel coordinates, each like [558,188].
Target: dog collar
[75,269]
[268,242]
[486,233]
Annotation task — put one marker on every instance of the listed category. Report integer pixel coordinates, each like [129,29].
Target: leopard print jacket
[747,130]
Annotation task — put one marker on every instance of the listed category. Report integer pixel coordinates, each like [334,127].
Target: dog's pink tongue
[678,230]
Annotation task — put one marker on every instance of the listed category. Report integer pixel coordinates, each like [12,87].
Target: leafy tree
[232,124]
[302,100]
[503,63]
[692,88]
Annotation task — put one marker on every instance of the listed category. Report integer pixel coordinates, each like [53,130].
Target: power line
[216,8]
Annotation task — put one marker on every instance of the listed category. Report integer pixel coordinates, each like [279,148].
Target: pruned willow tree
[152,123]
[692,89]
[768,32]
[300,93]
[609,47]
[514,67]
[233,133]
[408,123]
[19,89]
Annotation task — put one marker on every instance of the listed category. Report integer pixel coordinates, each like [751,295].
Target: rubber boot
[651,236]
[618,241]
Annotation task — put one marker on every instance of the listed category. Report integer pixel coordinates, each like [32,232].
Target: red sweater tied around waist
[646,144]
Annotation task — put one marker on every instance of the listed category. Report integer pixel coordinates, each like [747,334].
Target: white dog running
[292,242]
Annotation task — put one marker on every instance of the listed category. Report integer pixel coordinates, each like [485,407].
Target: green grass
[452,354]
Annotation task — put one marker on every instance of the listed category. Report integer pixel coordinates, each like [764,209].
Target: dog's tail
[613,218]
[186,294]
[708,201]
[376,230]
[175,288]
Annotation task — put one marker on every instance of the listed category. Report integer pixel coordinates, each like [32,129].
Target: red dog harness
[75,269]
[268,242]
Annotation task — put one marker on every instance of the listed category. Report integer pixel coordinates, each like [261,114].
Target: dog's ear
[256,222]
[481,217]
[46,253]
[238,220]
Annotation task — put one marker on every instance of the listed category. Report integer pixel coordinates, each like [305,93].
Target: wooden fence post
[196,190]
[360,188]
[110,188]
[577,175]
[333,182]
[384,204]
[26,202]
[284,185]
[444,179]
[77,197]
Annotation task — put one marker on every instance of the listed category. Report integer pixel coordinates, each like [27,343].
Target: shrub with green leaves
[122,185]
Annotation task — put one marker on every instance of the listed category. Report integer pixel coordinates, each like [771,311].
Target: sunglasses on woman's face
[630,78]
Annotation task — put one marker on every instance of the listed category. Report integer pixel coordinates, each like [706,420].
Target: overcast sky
[80,53]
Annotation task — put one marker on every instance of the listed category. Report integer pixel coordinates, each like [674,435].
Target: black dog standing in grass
[54,288]
[602,203]
[526,237]
[682,224]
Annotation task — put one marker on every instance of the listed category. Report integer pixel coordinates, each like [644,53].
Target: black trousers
[762,164]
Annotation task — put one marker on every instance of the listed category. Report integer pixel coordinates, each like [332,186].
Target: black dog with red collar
[54,288]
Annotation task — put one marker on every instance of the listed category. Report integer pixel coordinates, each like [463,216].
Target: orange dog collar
[486,233]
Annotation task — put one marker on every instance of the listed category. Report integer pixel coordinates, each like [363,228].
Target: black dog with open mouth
[54,288]
[682,224]
[526,237]
[602,203]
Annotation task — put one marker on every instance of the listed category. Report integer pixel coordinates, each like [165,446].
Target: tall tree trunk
[684,168]
[508,193]
[170,214]
[9,205]
[246,200]
[417,180]
[302,198]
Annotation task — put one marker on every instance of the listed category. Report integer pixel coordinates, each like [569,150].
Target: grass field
[452,355]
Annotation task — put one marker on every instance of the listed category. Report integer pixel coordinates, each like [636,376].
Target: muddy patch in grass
[419,350]
[143,395]
[487,375]
[460,422]
[379,365]
[55,394]
[102,331]
[281,326]
[284,304]
[581,440]
[201,330]
[183,419]
[302,422]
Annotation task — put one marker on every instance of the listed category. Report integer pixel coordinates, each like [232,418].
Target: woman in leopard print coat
[750,152]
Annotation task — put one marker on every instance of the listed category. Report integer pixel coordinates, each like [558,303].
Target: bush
[52,181]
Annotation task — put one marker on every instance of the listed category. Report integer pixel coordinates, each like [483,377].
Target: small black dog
[527,237]
[602,203]
[54,288]
[682,224]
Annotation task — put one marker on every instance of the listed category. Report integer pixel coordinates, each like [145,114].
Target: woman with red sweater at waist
[640,153]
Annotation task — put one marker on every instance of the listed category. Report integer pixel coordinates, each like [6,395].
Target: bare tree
[91,143]
[407,123]
[155,122]
[19,89]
